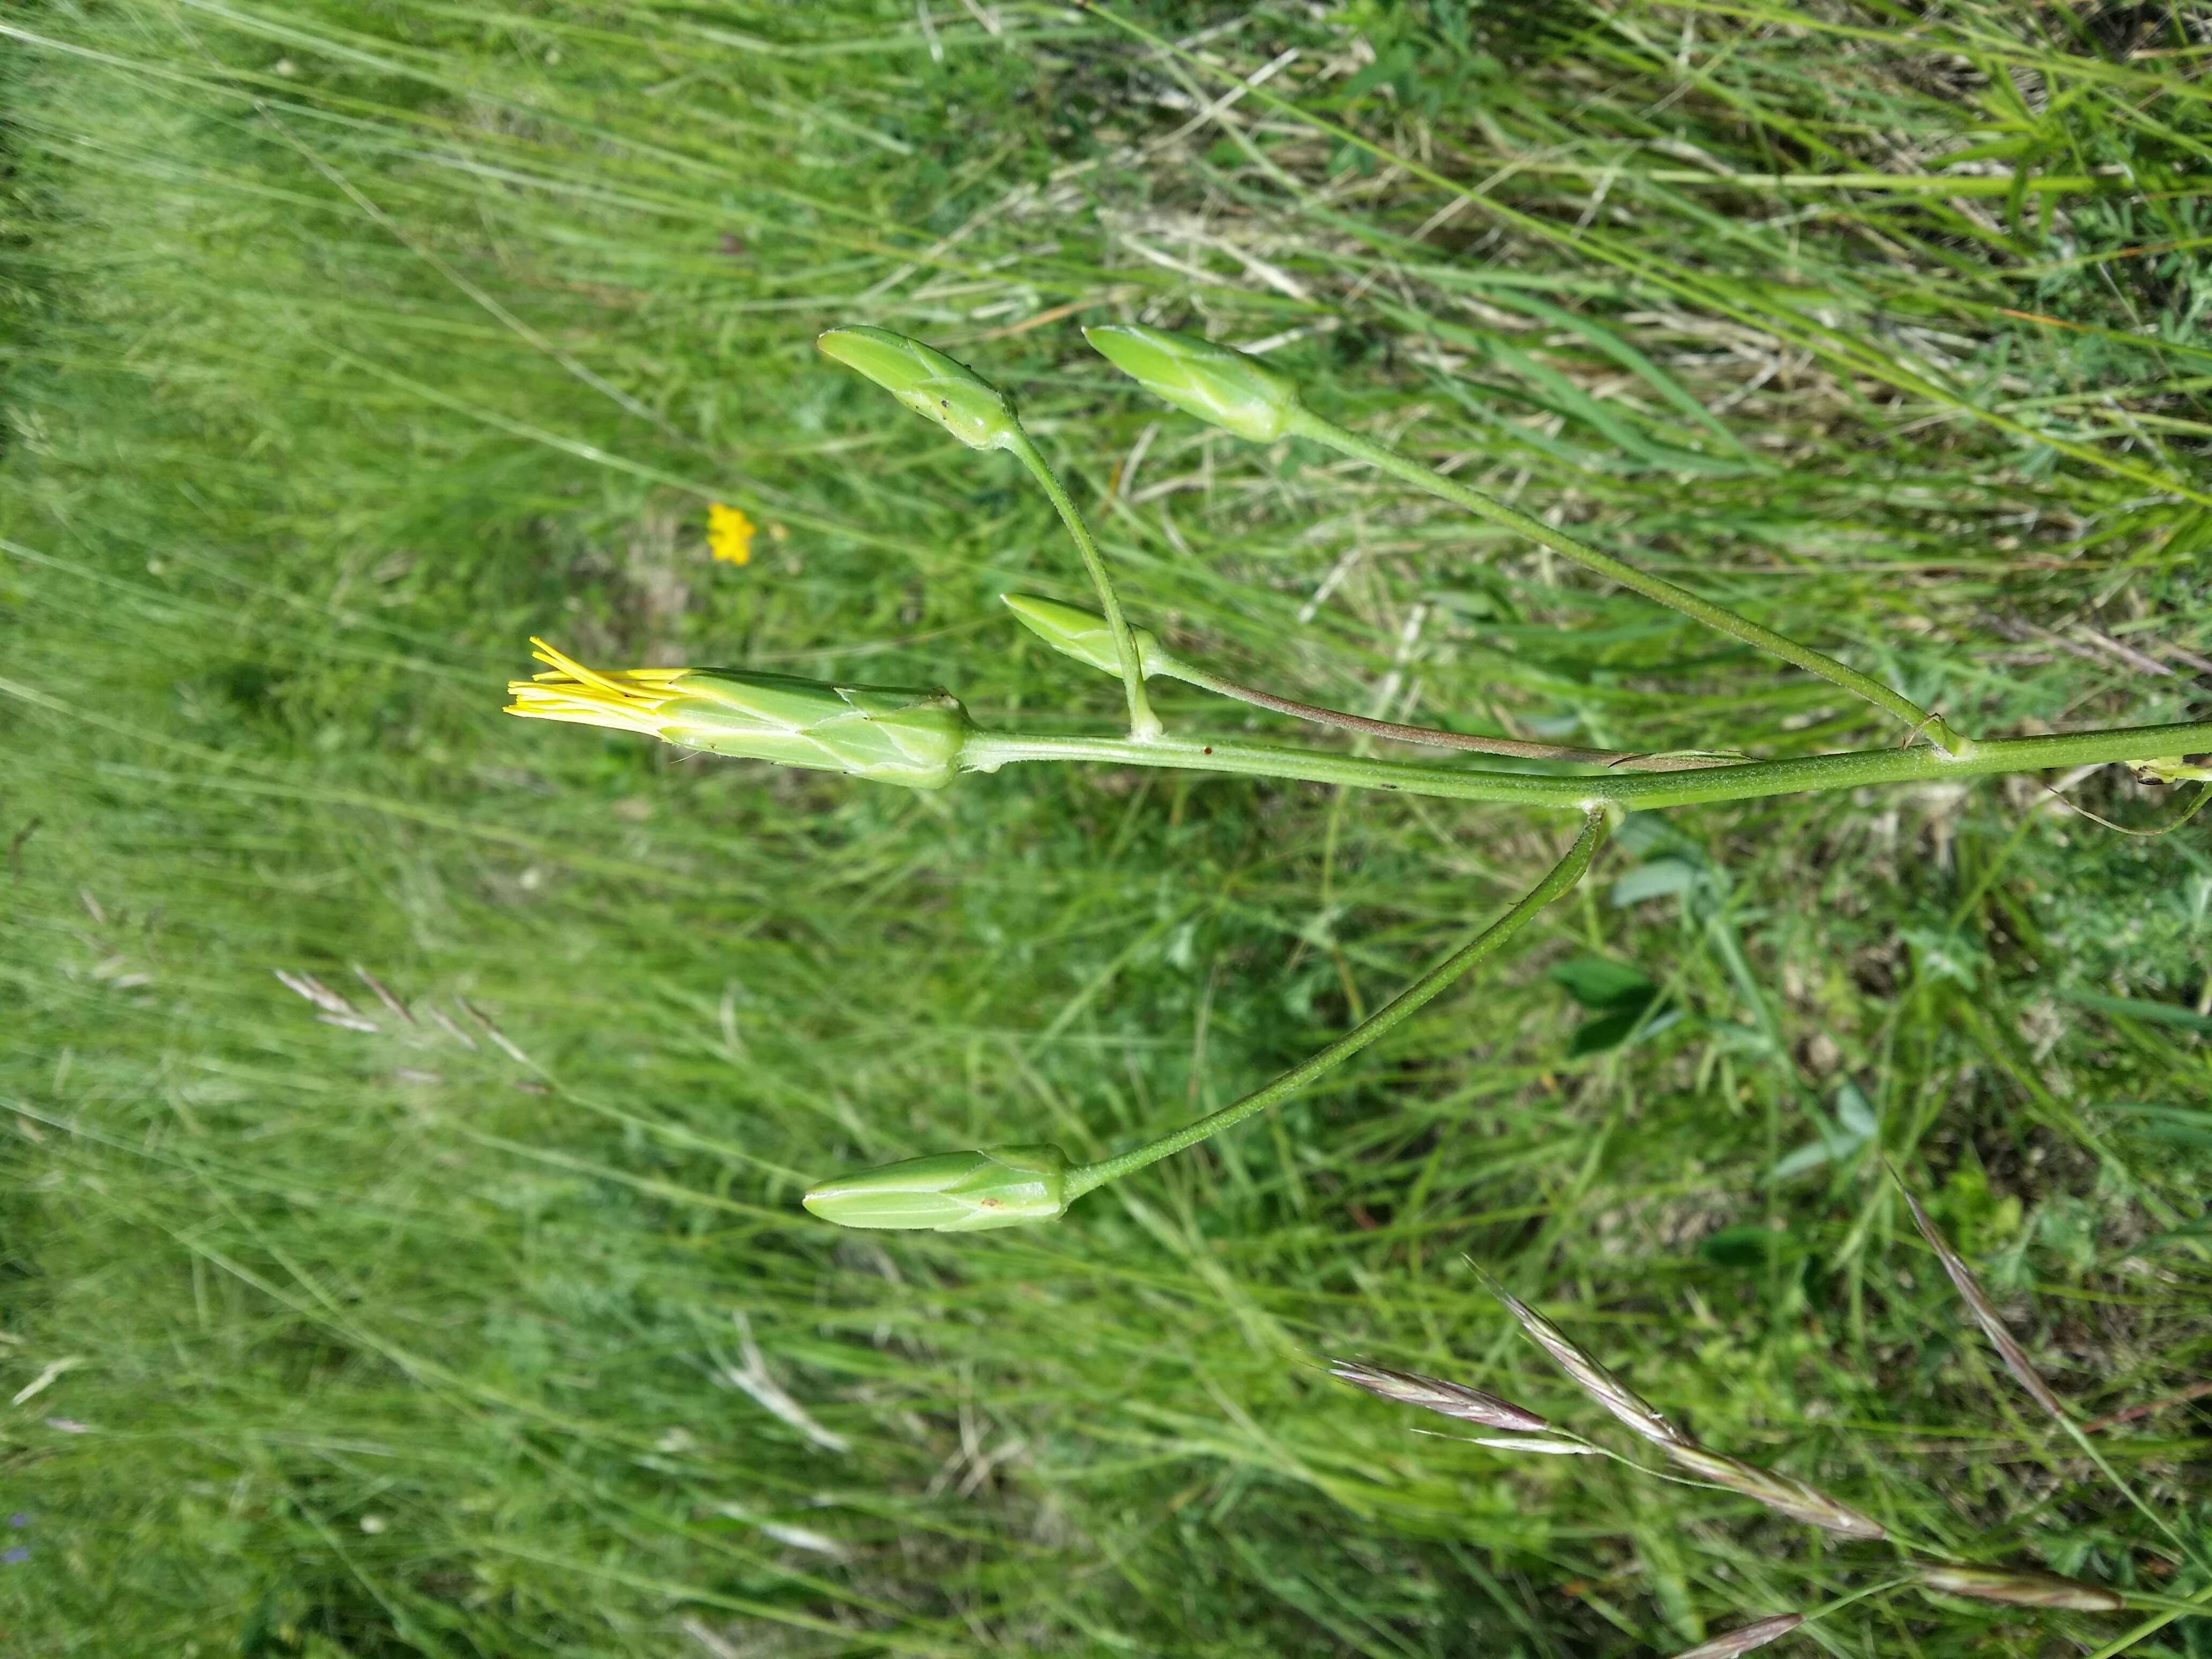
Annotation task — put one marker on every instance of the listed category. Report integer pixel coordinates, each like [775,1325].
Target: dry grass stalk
[2022,1588]
[1985,1316]
[1454,1399]
[1790,1497]
[1745,1637]
[1599,1383]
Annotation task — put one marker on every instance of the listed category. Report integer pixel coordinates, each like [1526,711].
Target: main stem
[1144,725]
[1427,736]
[986,751]
[1564,874]
[1307,424]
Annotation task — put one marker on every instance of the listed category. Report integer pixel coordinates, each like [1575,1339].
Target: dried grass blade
[1985,1315]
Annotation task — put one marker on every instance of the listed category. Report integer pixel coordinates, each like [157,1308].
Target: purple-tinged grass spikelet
[1745,1637]
[1780,1493]
[1454,1399]
[2022,1588]
[2014,1357]
[1599,1383]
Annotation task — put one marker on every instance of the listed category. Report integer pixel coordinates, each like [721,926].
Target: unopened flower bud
[929,383]
[891,735]
[1227,388]
[1084,635]
[951,1191]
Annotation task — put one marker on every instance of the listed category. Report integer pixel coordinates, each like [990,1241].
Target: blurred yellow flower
[729,533]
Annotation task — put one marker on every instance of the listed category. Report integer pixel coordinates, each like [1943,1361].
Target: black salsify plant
[923,738]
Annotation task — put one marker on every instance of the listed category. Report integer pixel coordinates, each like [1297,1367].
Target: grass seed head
[950,1192]
[1745,1637]
[2022,1588]
[1454,1399]
[1986,1314]
[1224,387]
[1779,1492]
[890,734]
[1600,1384]
[1532,1442]
[929,383]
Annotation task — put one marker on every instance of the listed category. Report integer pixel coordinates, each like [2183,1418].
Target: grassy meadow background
[349,342]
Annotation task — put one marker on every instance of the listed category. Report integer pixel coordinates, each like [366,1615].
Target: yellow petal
[729,533]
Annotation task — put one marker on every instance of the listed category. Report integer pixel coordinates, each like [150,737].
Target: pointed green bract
[1085,634]
[885,733]
[950,1192]
[1217,385]
[929,383]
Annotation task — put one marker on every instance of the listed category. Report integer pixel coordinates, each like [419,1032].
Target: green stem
[986,751]
[1307,424]
[1391,1015]
[1144,725]
[1189,674]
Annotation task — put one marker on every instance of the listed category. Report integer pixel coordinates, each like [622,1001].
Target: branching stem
[1144,725]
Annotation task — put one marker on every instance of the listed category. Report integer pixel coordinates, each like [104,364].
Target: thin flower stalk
[1241,394]
[1086,638]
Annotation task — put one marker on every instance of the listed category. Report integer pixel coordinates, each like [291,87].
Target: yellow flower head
[628,699]
[729,533]
[905,735]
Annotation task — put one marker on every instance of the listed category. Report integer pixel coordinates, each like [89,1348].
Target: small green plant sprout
[923,739]
[950,1192]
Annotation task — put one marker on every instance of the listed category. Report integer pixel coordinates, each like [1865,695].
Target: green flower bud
[1084,635]
[929,383]
[951,1192]
[1217,385]
[891,735]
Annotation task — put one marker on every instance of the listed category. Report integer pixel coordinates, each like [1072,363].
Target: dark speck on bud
[929,383]
[950,1192]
